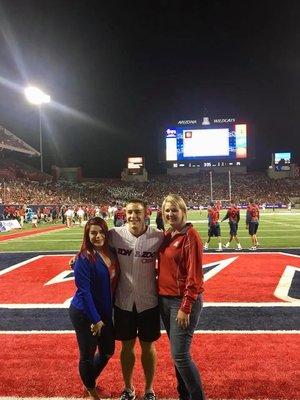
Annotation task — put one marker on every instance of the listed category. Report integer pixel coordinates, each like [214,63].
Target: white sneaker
[219,249]
[238,248]
[253,248]
[225,246]
[205,247]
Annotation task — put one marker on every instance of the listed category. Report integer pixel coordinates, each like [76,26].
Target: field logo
[243,293]
[244,278]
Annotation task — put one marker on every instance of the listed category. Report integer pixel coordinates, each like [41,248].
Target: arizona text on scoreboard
[209,142]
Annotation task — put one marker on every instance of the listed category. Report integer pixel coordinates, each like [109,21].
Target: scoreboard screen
[224,141]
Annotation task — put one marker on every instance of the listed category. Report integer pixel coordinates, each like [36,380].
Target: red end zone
[236,366]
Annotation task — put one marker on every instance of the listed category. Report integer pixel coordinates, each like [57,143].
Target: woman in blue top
[91,307]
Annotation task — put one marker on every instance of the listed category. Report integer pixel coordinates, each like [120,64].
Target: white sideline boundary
[71,252]
[115,398]
[66,304]
[197,332]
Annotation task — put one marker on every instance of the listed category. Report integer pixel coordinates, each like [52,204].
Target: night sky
[120,72]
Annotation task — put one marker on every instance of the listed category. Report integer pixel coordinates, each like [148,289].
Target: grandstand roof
[9,141]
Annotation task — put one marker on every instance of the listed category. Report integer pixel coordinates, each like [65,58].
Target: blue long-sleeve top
[93,295]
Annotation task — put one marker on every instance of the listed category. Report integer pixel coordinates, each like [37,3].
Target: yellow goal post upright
[211,187]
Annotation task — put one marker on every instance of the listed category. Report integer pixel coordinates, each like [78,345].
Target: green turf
[279,229]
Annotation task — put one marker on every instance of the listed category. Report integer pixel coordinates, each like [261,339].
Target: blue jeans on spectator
[189,382]
[91,363]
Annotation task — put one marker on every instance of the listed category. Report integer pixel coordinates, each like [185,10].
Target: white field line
[210,251]
[261,225]
[66,304]
[203,332]
[83,398]
[247,332]
[57,252]
[29,260]
[35,233]
[42,398]
[20,240]
[287,254]
[78,398]
[46,398]
[282,223]
[66,235]
[278,215]
[21,264]
[263,228]
[270,237]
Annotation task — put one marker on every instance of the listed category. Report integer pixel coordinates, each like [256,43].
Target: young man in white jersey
[136,303]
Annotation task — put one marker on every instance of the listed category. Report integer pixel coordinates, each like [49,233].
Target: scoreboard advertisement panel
[135,165]
[282,161]
[222,139]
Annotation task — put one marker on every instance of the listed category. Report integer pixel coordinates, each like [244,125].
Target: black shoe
[127,395]
[149,396]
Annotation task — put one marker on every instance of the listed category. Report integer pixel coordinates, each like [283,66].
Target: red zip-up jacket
[180,266]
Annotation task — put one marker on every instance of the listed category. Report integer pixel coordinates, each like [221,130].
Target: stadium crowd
[195,190]
[13,170]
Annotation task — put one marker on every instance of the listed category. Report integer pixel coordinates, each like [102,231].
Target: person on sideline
[69,214]
[159,220]
[136,312]
[252,222]
[213,215]
[119,216]
[180,285]
[91,307]
[233,216]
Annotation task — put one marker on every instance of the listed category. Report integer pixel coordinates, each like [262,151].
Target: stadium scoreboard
[215,142]
[135,165]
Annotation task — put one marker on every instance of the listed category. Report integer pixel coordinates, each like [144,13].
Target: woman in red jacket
[180,282]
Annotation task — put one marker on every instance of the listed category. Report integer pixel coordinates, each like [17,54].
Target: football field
[277,230]
[246,343]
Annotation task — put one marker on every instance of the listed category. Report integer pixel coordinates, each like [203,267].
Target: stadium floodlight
[37,97]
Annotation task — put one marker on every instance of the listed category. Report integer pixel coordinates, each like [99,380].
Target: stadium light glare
[37,97]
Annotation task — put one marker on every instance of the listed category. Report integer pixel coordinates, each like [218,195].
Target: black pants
[91,363]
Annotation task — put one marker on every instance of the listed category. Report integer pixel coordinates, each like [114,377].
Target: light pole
[38,97]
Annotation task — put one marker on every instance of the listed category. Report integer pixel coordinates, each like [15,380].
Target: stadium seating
[25,186]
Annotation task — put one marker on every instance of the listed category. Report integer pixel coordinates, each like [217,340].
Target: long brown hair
[87,248]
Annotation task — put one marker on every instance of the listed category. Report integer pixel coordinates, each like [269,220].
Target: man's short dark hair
[138,201]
